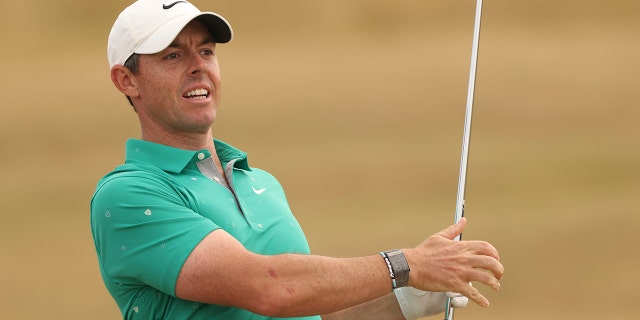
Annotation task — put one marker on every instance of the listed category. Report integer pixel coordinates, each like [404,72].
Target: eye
[171,56]
[207,52]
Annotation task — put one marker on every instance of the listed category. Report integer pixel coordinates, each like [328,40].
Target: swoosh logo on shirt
[167,7]
[259,191]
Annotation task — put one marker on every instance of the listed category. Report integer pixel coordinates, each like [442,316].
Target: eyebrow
[207,40]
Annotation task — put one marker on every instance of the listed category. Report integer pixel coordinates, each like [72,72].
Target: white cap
[149,26]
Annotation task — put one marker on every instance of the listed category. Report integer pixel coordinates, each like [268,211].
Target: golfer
[186,228]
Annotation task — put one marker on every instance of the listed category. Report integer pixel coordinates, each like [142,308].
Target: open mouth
[197,94]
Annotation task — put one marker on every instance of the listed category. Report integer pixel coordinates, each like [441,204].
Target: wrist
[397,266]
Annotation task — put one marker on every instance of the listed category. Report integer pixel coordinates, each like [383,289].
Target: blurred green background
[358,107]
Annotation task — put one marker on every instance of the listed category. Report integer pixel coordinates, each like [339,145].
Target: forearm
[307,285]
[284,285]
[383,308]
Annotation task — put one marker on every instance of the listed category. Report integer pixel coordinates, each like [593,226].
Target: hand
[441,264]
[416,303]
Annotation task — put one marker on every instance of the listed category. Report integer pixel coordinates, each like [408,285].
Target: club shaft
[464,158]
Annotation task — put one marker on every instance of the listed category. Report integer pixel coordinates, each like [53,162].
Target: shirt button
[201,156]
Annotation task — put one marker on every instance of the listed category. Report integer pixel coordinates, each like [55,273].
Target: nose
[198,64]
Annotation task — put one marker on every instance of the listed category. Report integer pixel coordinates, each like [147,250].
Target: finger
[483,248]
[454,230]
[484,277]
[474,295]
[489,264]
[455,294]
[457,299]
[495,267]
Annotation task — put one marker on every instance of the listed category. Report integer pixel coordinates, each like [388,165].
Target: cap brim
[160,39]
[219,27]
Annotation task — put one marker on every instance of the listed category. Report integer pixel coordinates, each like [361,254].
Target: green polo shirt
[150,213]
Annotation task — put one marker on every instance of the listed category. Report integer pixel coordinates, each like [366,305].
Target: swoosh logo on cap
[167,7]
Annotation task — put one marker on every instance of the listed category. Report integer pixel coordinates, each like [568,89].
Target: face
[178,89]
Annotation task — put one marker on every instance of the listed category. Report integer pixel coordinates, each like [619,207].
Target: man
[186,229]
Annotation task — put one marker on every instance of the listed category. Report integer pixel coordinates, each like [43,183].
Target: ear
[124,80]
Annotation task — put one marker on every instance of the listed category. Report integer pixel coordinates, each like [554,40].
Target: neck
[182,140]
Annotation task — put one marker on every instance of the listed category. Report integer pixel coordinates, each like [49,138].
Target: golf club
[449,309]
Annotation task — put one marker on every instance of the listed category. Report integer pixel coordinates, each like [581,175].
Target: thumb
[454,230]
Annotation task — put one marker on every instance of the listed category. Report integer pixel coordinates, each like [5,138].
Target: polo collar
[174,160]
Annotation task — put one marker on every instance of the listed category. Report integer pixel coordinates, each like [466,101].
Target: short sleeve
[144,230]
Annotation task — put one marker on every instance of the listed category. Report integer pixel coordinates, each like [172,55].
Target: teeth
[197,93]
